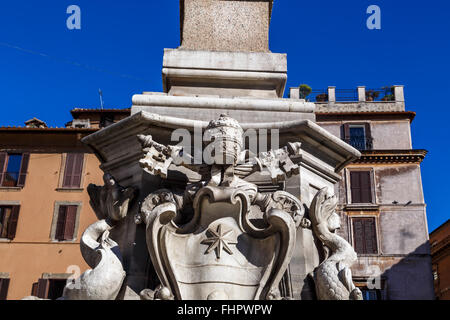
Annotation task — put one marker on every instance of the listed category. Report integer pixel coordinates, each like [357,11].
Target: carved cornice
[392,156]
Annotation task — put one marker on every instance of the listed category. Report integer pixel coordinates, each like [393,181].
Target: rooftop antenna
[101,98]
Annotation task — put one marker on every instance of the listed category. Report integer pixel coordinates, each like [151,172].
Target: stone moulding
[278,105]
[313,137]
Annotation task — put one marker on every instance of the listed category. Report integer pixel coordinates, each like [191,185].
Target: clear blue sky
[121,45]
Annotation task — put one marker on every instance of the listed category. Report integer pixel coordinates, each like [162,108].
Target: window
[73,170]
[361,187]
[13,169]
[365,236]
[4,285]
[358,136]
[51,289]
[371,294]
[9,216]
[66,221]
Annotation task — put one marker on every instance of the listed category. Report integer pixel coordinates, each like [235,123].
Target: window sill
[3,240]
[11,189]
[74,241]
[69,189]
[368,255]
[361,206]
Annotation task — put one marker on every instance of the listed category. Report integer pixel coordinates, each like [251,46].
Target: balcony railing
[361,94]
[346,95]
[318,96]
[360,143]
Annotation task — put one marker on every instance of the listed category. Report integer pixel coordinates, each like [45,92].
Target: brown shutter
[370,236]
[3,156]
[358,235]
[70,162]
[355,186]
[23,170]
[73,170]
[361,187]
[77,170]
[12,223]
[4,285]
[42,288]
[69,228]
[60,223]
[34,290]
[366,187]
[365,235]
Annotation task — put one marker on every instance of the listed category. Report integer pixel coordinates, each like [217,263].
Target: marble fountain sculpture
[215,217]
[220,235]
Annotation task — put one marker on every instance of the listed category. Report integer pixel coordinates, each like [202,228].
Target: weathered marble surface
[225,25]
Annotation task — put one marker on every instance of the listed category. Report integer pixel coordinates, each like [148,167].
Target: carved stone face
[334,222]
[225,138]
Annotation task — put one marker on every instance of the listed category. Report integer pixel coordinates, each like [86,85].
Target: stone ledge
[225,60]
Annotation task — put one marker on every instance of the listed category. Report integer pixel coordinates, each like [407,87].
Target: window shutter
[365,235]
[346,132]
[4,285]
[60,223]
[370,236]
[361,187]
[42,288]
[358,235]
[34,290]
[73,170]
[13,220]
[77,170]
[366,187]
[69,228]
[23,170]
[355,186]
[70,162]
[3,156]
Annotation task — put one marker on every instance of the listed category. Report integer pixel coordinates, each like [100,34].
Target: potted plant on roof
[372,95]
[305,91]
[323,97]
[389,93]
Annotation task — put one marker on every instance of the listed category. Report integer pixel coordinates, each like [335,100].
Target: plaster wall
[33,252]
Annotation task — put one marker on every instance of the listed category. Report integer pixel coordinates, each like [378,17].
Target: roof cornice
[383,115]
[392,156]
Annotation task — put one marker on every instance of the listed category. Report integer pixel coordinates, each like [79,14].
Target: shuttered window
[13,169]
[361,187]
[65,224]
[9,217]
[365,236]
[4,285]
[73,170]
[51,289]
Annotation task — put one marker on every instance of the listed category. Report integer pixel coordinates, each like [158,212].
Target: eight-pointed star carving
[220,240]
